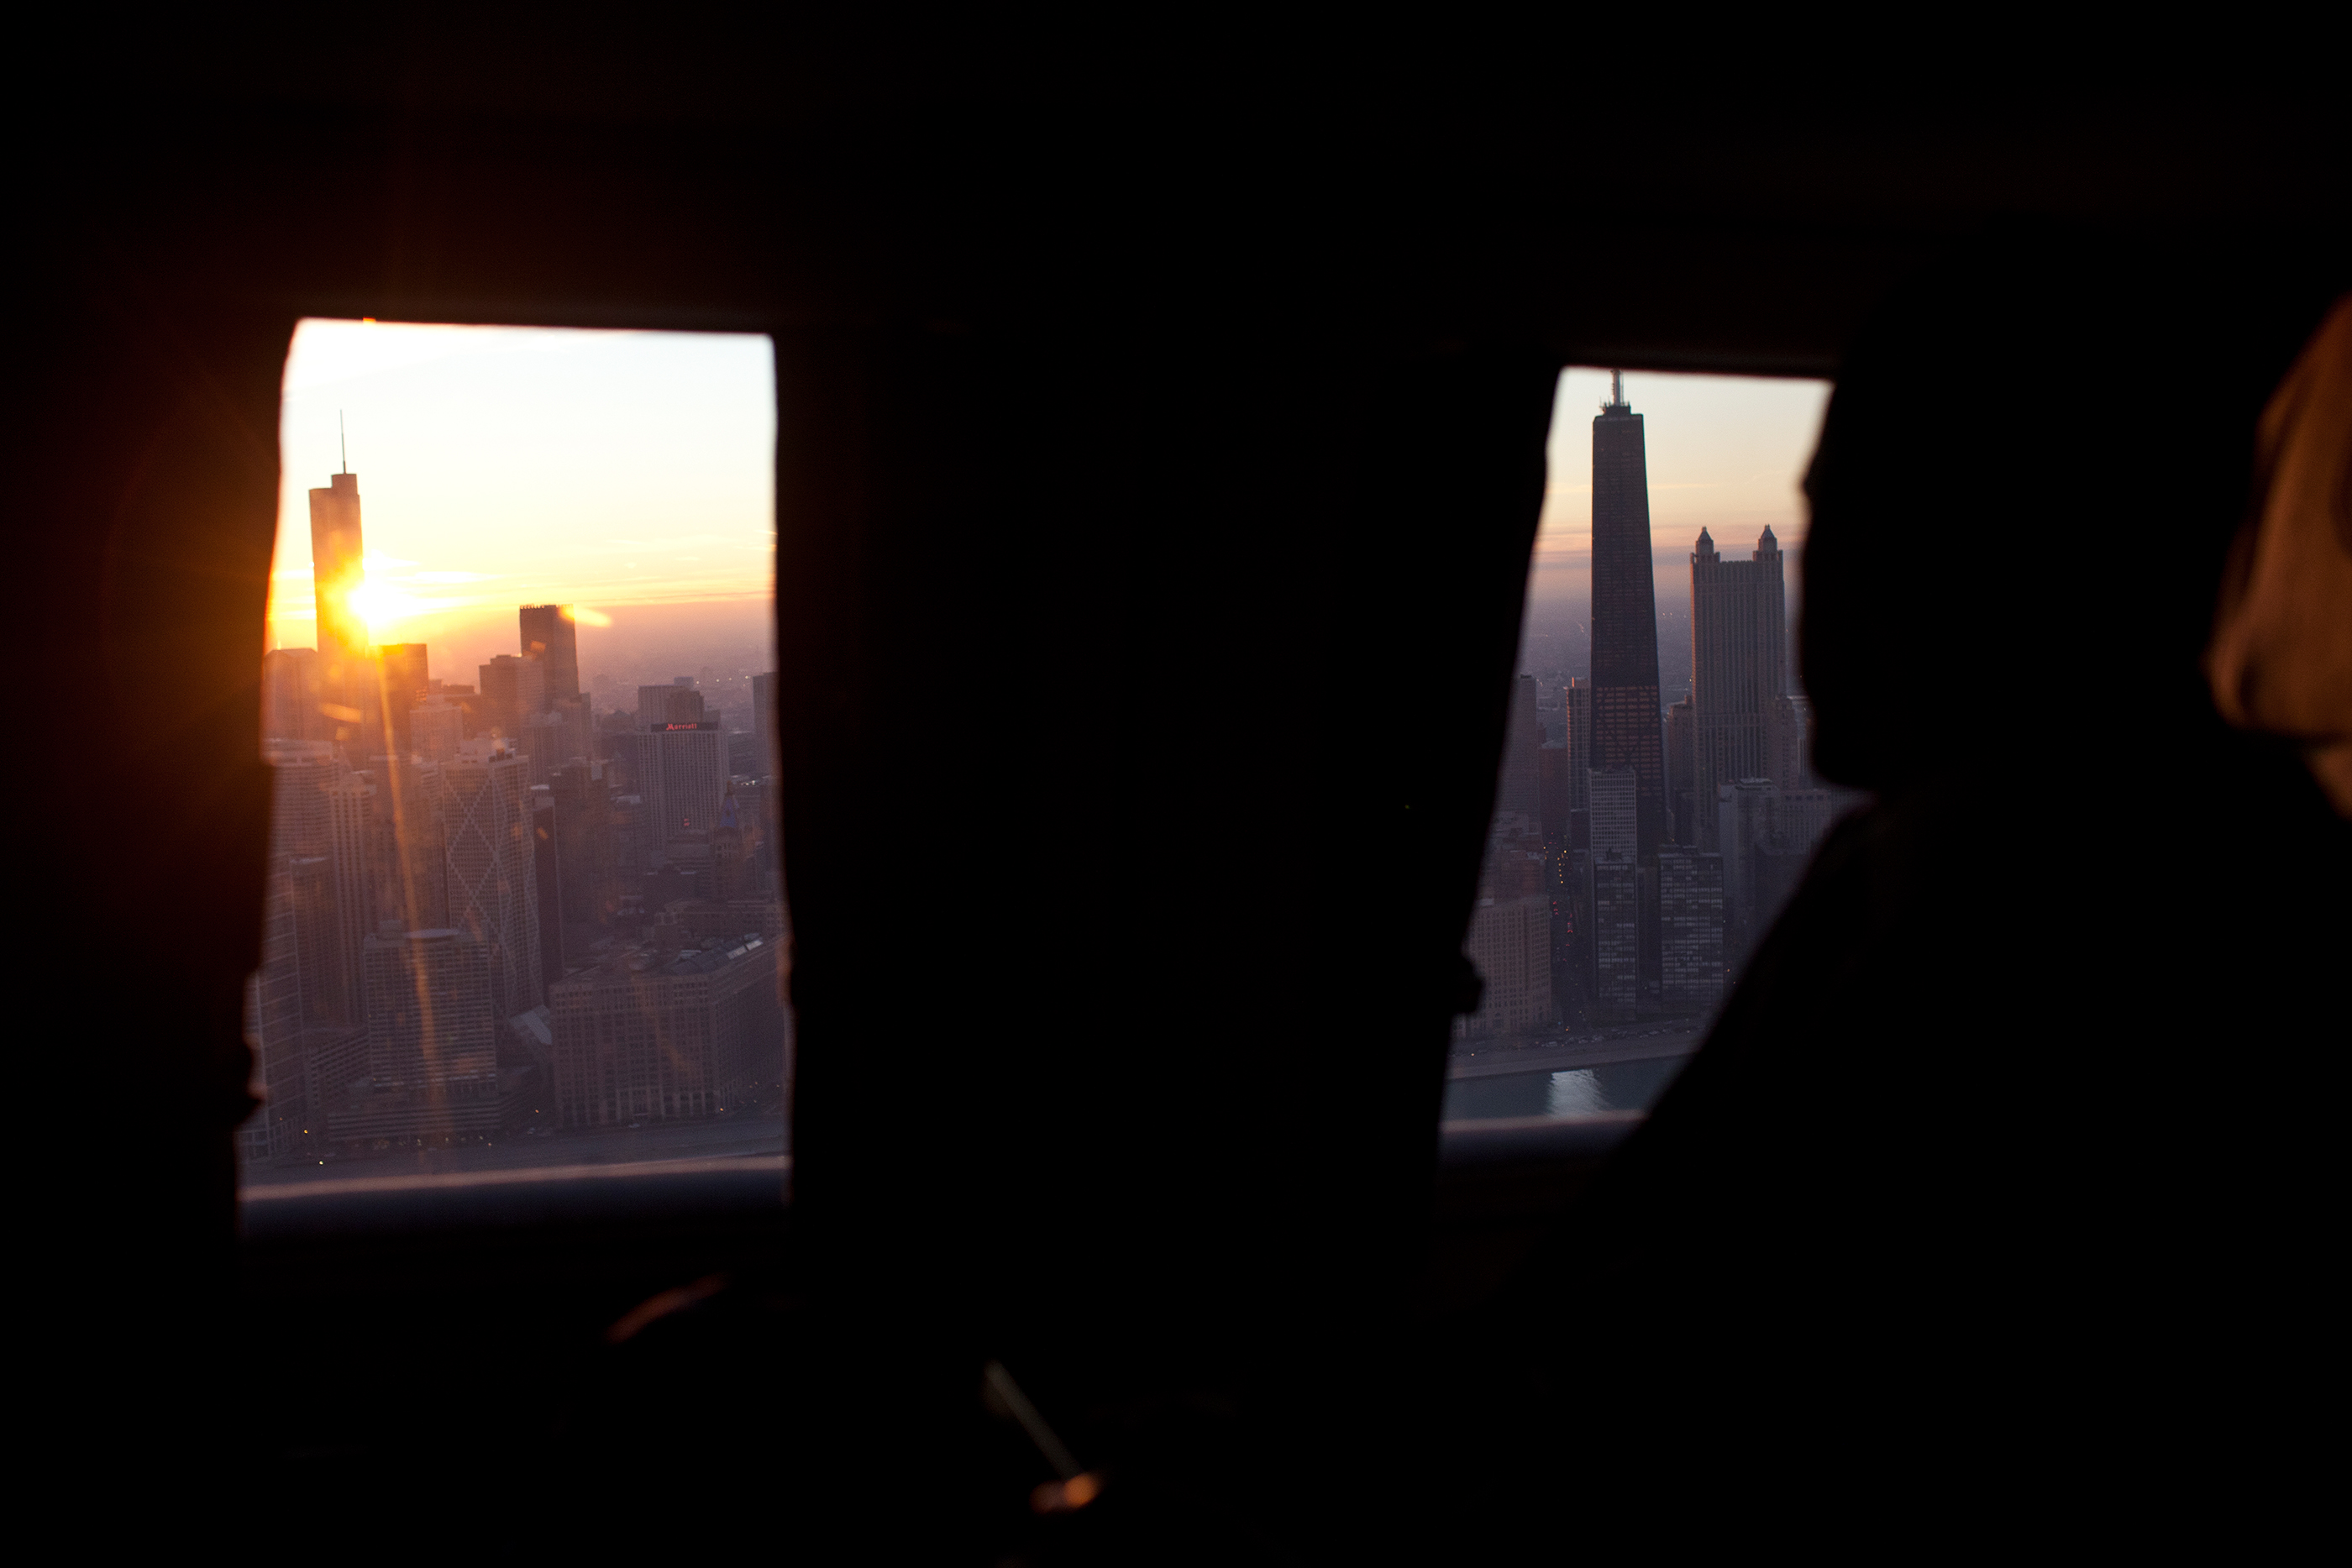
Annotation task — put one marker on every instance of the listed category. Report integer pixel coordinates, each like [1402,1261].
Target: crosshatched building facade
[655,1036]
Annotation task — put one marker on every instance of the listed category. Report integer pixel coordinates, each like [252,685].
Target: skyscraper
[1626,714]
[637,753]
[492,884]
[1613,892]
[290,698]
[1739,667]
[590,880]
[1792,742]
[659,705]
[546,865]
[552,637]
[1690,921]
[432,1041]
[338,568]
[404,682]
[318,822]
[1682,796]
[694,778]
[513,688]
[1519,791]
[273,1026]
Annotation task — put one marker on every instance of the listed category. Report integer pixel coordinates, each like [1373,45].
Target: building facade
[490,881]
[1739,667]
[1518,788]
[657,1035]
[1510,942]
[1681,791]
[1613,892]
[1624,699]
[338,568]
[693,779]
[431,1043]
[1690,928]
[513,688]
[551,638]
[273,1028]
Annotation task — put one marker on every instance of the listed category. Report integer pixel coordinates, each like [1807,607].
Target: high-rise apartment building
[319,812]
[590,872]
[547,869]
[636,837]
[406,866]
[546,744]
[1682,792]
[273,1026]
[513,688]
[637,755]
[1519,791]
[1792,758]
[550,637]
[1745,829]
[693,779]
[1552,777]
[290,696]
[432,1041]
[1510,943]
[1625,713]
[1690,925]
[436,728]
[402,678]
[734,874]
[491,877]
[668,1031]
[1739,640]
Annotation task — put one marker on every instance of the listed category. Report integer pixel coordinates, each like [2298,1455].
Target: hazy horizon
[628,474]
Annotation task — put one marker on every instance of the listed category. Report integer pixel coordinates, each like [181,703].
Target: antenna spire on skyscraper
[344,438]
[1617,389]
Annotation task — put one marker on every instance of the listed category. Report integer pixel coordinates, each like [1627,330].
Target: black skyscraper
[1626,725]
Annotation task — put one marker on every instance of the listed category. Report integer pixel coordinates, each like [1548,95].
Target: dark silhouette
[1928,1191]
[1209,376]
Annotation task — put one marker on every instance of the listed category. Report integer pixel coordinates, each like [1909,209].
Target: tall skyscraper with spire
[1626,727]
[338,568]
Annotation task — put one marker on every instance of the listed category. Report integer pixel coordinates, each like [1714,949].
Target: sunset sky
[1726,454]
[500,467]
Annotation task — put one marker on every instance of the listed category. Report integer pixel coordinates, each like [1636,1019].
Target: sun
[381,608]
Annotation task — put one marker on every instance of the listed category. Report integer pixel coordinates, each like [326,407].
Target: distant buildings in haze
[445,858]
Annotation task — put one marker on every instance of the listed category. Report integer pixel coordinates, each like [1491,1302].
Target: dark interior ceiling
[1620,195]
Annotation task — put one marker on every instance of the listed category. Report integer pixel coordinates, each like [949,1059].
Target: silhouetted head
[2026,479]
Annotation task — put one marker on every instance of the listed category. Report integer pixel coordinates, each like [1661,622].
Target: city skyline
[628,474]
[1726,454]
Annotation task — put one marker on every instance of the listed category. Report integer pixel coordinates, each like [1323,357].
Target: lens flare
[381,608]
